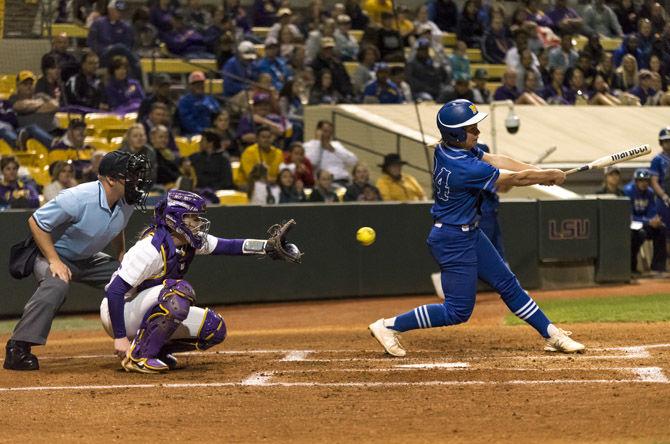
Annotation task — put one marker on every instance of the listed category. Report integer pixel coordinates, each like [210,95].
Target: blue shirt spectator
[470,27]
[274,65]
[629,45]
[237,68]
[196,109]
[265,12]
[110,30]
[460,63]
[564,18]
[644,90]
[185,42]
[643,203]
[496,42]
[563,56]
[382,90]
[161,16]
[600,19]
[508,90]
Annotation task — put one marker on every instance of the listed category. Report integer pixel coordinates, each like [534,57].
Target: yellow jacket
[404,189]
[252,156]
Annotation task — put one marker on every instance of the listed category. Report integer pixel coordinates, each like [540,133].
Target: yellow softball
[365,236]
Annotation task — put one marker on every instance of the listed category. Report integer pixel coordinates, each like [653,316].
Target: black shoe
[18,356]
[169,359]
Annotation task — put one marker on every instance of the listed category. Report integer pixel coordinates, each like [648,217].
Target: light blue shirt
[80,221]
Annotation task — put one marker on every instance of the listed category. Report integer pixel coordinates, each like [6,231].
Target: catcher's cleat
[19,357]
[144,365]
[387,337]
[561,342]
[169,359]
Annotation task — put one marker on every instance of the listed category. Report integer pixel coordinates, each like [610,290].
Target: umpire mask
[138,181]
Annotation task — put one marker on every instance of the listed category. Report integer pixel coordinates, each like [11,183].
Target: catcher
[149,303]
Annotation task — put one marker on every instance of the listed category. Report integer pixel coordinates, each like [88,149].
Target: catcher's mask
[134,170]
[181,212]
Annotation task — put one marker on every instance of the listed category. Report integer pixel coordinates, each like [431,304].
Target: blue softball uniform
[660,167]
[462,251]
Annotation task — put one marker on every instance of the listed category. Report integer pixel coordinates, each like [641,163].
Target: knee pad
[213,330]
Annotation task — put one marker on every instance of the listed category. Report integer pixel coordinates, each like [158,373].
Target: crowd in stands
[258,119]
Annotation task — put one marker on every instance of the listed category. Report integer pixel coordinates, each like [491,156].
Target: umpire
[70,231]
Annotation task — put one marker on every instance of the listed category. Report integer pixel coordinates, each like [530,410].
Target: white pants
[135,309]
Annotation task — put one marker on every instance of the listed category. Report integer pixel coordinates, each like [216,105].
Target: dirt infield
[309,372]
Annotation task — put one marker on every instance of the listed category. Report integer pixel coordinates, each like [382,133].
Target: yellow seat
[106,125]
[115,143]
[98,143]
[69,154]
[72,30]
[340,193]
[5,149]
[176,66]
[64,118]
[260,31]
[25,158]
[357,34]
[130,118]
[449,39]
[214,86]
[232,197]
[495,71]
[7,85]
[350,67]
[260,50]
[235,167]
[40,174]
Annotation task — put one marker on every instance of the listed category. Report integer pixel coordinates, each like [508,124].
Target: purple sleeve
[115,293]
[229,247]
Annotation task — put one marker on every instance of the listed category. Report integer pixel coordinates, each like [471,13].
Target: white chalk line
[643,372]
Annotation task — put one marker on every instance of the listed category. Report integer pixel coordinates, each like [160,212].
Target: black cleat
[19,357]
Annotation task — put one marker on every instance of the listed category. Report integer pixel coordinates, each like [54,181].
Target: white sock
[552,330]
[390,322]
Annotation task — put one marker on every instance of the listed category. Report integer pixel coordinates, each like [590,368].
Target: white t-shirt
[338,162]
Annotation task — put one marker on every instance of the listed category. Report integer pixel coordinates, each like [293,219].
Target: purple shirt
[504,92]
[8,195]
[124,94]
[558,14]
[104,33]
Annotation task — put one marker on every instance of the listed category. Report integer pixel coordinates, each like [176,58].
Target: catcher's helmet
[664,134]
[454,116]
[170,212]
[642,174]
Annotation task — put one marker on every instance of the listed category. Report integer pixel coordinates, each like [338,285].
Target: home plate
[436,365]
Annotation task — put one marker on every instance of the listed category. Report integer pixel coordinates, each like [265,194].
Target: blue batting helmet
[642,174]
[664,134]
[454,116]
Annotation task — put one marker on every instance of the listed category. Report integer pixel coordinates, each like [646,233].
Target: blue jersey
[660,167]
[490,201]
[458,179]
[643,204]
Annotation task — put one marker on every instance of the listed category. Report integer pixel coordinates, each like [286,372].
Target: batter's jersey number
[442,184]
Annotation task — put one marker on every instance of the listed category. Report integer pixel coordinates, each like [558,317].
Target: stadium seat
[235,166]
[70,154]
[495,71]
[106,125]
[176,66]
[260,31]
[130,118]
[5,149]
[188,146]
[40,174]
[232,197]
[214,86]
[98,143]
[449,39]
[260,50]
[64,118]
[7,85]
[357,34]
[350,67]
[38,152]
[72,30]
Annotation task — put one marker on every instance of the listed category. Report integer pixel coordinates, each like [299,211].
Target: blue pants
[489,225]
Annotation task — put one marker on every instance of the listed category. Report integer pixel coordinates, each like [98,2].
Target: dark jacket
[213,170]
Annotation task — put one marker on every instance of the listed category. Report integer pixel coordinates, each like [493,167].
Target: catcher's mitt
[276,246]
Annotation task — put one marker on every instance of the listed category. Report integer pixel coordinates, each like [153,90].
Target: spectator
[627,16]
[85,91]
[274,65]
[8,124]
[530,90]
[513,56]
[601,93]
[526,68]
[600,19]
[261,190]
[146,34]
[261,115]
[62,177]
[662,48]
[325,153]
[167,170]
[345,44]
[556,93]
[645,213]
[563,56]
[67,63]
[221,126]
[395,186]
[196,16]
[382,90]
[238,70]
[423,21]
[629,45]
[646,40]
[292,99]
[324,92]
[110,36]
[359,20]
[444,13]
[295,160]
[388,40]
[606,69]
[594,50]
[612,182]
[644,90]
[438,54]
[656,67]
[470,28]
[15,193]
[326,59]
[424,77]
[460,62]
[124,94]
[262,152]
[403,24]
[626,75]
[161,94]
[135,142]
[161,15]
[285,15]
[361,189]
[184,41]
[187,179]
[535,15]
[315,39]
[73,143]
[480,91]
[657,18]
[364,72]
[90,173]
[264,12]
[543,66]
[376,9]
[196,109]
[397,76]
[508,90]
[323,188]
[159,116]
[564,18]
[586,65]
[496,42]
[290,189]
[578,92]
[34,112]
[50,82]
[212,168]
[460,90]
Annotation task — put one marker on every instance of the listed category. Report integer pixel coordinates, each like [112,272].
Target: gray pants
[51,293]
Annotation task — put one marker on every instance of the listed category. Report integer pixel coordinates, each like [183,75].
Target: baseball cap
[117,4]
[114,164]
[196,76]
[247,50]
[284,11]
[24,75]
[664,134]
[327,42]
[343,18]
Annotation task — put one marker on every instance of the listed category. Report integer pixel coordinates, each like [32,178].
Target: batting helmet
[664,134]
[454,116]
[642,174]
[170,212]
